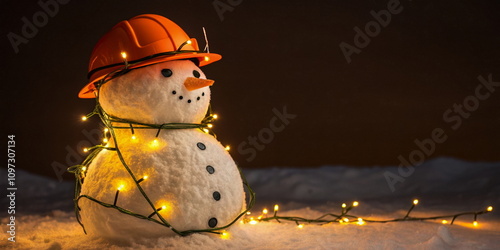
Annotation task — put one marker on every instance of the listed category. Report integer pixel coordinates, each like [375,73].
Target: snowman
[157,162]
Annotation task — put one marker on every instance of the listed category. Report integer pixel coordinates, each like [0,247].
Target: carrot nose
[192,83]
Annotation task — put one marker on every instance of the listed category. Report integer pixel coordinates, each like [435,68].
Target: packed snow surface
[45,220]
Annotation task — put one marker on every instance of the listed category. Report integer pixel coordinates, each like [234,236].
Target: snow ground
[44,217]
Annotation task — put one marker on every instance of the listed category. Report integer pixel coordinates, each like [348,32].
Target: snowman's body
[189,172]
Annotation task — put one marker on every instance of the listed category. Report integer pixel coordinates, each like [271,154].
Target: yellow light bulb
[106,130]
[84,168]
[415,202]
[345,219]
[121,187]
[489,209]
[134,137]
[475,223]
[300,226]
[84,118]
[265,211]
[206,58]
[105,140]
[154,143]
[444,222]
[85,150]
[248,213]
[124,55]
[224,235]
[344,205]
[276,207]
[210,125]
[360,221]
[145,177]
[253,222]
[163,207]
[227,148]
[215,116]
[355,204]
[189,42]
[260,217]
[205,130]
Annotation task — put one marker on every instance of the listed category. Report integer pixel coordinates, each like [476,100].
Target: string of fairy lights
[112,123]
[345,218]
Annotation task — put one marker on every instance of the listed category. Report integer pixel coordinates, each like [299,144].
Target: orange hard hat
[146,39]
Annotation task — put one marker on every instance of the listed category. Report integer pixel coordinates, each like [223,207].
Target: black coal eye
[196,73]
[166,72]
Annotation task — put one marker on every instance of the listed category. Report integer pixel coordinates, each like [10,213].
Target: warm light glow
[276,207]
[121,187]
[215,116]
[155,143]
[210,125]
[85,150]
[415,202]
[145,177]
[134,137]
[355,204]
[124,55]
[189,42]
[105,140]
[106,130]
[444,222]
[84,168]
[205,130]
[227,148]
[163,207]
[260,217]
[248,213]
[84,118]
[224,235]
[475,223]
[344,205]
[253,222]
[300,226]
[265,211]
[489,209]
[345,219]
[207,58]
[360,222]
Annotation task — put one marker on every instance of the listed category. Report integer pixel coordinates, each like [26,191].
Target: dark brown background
[275,54]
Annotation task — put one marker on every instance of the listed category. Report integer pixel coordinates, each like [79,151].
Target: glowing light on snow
[134,137]
[276,207]
[300,226]
[265,211]
[154,143]
[444,222]
[475,224]
[205,130]
[105,140]
[225,235]
[360,222]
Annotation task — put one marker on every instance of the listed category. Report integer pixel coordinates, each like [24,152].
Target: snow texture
[190,172]
[44,219]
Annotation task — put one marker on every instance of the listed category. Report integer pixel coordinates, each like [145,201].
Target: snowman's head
[161,93]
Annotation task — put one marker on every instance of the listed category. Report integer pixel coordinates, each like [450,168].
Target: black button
[210,169]
[201,146]
[180,97]
[189,101]
[196,73]
[212,222]
[166,72]
[216,195]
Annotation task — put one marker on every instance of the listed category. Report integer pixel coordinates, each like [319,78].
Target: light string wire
[108,120]
[346,218]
